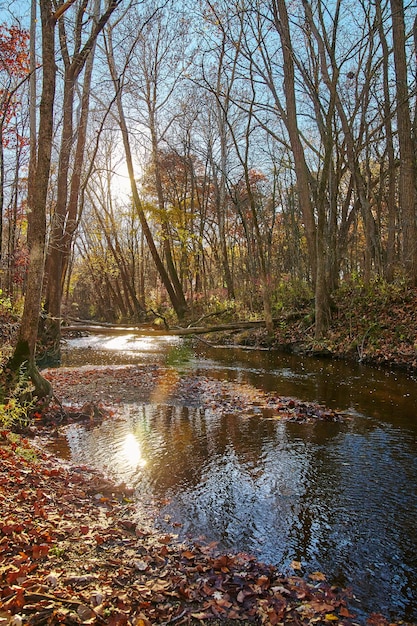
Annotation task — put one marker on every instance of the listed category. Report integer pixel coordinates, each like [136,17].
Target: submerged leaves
[67,557]
[143,383]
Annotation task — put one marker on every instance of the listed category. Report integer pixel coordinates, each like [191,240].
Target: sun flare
[132,452]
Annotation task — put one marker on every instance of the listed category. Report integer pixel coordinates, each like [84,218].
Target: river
[340,498]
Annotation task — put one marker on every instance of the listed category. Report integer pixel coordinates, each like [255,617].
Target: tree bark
[407,182]
[391,173]
[301,170]
[24,352]
[146,331]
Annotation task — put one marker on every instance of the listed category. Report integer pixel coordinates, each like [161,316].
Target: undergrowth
[16,406]
[19,445]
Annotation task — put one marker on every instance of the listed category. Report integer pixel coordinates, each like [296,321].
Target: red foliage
[14,66]
[14,51]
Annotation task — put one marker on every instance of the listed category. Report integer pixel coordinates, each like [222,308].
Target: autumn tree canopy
[214,152]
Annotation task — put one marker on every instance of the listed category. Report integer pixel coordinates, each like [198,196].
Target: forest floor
[75,549]
[374,324]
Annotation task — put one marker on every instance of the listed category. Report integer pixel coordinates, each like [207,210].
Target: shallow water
[338,497]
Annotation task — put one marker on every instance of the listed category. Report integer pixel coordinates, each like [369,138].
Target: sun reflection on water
[132,452]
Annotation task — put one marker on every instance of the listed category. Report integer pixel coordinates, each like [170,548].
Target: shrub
[16,409]
[292,294]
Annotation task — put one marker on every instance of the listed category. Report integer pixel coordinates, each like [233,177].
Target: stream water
[337,497]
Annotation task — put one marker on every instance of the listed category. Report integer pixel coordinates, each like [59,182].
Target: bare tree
[408,176]
[65,213]
[118,85]
[153,78]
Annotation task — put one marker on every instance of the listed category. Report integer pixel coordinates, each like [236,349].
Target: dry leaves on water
[161,385]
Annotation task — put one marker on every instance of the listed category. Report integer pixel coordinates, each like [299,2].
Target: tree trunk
[172,271]
[221,194]
[407,182]
[301,170]
[74,205]
[26,342]
[53,297]
[59,241]
[177,305]
[322,297]
[391,195]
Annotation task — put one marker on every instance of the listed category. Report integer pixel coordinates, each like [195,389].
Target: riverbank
[374,324]
[74,549]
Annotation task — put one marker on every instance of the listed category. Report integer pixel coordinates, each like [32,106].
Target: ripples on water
[340,498]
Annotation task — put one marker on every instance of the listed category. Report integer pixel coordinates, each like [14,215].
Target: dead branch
[148,331]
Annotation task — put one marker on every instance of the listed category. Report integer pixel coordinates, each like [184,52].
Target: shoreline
[75,550]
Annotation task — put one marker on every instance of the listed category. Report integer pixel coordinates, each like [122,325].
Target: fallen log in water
[157,332]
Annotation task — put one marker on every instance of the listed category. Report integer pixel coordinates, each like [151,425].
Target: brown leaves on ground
[163,385]
[73,551]
[375,323]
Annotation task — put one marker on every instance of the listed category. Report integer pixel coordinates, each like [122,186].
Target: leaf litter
[75,549]
[159,385]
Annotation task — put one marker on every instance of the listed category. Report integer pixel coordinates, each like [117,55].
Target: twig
[34,596]
[176,619]
[361,349]
[208,343]
[161,317]
[203,317]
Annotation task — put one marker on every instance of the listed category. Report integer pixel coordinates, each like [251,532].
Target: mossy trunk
[23,363]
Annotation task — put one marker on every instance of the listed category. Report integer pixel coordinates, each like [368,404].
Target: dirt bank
[374,324]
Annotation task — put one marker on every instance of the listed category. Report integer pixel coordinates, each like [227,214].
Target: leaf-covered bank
[374,324]
[75,550]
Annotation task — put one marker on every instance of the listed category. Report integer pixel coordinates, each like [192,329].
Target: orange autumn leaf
[317,576]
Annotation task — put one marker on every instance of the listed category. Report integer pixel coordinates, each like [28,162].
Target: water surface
[338,497]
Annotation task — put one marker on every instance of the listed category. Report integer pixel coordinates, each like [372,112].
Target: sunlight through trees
[263,143]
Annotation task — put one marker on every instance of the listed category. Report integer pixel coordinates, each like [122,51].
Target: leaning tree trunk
[163,274]
[171,269]
[24,353]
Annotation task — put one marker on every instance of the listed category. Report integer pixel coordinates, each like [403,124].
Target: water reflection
[341,498]
[132,453]
[337,384]
[118,350]
[338,497]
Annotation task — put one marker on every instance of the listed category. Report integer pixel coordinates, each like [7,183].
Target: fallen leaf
[141,565]
[187,554]
[84,612]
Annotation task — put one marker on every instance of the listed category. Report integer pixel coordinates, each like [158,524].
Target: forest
[174,167]
[171,160]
